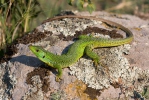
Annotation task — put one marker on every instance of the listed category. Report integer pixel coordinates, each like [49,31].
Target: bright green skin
[85,44]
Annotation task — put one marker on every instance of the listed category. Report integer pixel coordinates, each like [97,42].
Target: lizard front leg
[59,75]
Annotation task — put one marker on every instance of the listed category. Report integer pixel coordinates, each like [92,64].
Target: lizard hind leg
[91,54]
[59,75]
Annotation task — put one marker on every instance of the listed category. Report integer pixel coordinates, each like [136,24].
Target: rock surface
[124,73]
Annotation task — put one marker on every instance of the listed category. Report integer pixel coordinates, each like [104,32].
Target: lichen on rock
[67,26]
[35,90]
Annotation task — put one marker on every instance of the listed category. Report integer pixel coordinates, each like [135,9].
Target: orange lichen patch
[76,89]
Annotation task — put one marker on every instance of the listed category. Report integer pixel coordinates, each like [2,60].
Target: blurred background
[134,7]
[18,17]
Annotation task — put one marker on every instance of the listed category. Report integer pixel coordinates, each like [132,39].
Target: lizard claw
[58,79]
[96,63]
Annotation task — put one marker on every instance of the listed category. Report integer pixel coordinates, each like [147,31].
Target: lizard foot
[96,62]
[58,79]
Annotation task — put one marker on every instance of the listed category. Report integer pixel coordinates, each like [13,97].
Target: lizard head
[41,54]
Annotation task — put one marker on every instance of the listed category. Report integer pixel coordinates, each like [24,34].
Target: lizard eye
[43,57]
[37,50]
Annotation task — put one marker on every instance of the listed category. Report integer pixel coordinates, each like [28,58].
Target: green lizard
[83,45]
